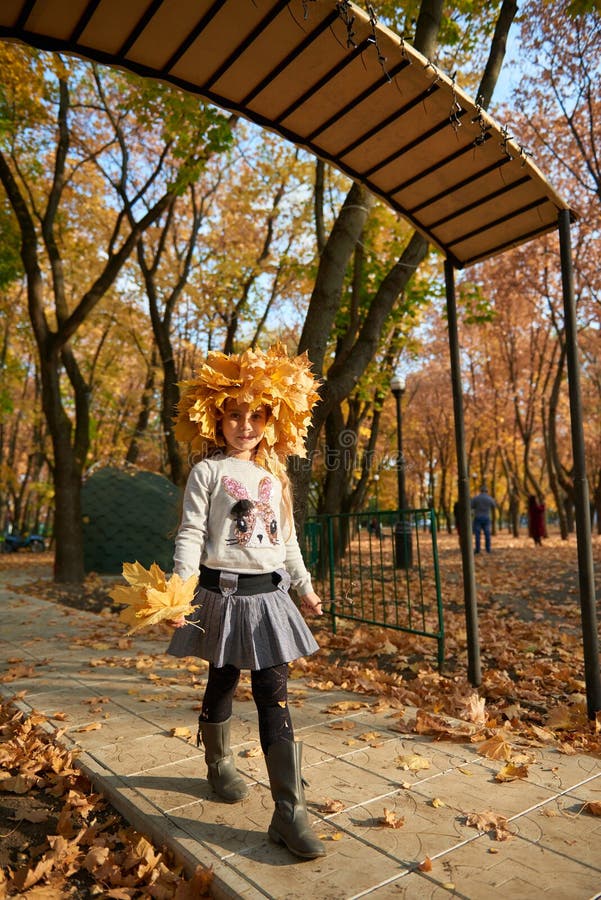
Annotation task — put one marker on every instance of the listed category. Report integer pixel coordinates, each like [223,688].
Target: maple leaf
[180,731]
[430,723]
[331,806]
[198,886]
[542,734]
[474,709]
[95,857]
[566,749]
[18,784]
[560,718]
[369,736]
[136,575]
[413,762]
[345,706]
[252,751]
[490,821]
[342,725]
[391,820]
[36,815]
[26,878]
[511,772]
[151,598]
[496,747]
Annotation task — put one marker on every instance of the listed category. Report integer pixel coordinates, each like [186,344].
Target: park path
[360,768]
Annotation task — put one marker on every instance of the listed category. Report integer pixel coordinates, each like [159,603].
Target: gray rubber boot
[222,774]
[290,823]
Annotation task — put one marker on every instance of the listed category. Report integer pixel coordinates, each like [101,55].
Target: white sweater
[234,519]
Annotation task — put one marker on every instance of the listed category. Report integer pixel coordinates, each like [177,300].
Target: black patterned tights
[270,693]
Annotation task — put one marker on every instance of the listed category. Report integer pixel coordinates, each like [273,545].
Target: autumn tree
[76,151]
[560,107]
[340,269]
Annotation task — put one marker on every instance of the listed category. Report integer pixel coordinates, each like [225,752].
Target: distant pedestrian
[482,506]
[375,527]
[456,516]
[537,528]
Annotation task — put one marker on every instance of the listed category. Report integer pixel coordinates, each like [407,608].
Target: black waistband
[264,583]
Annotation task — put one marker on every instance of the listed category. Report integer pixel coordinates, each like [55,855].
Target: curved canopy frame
[326,76]
[329,78]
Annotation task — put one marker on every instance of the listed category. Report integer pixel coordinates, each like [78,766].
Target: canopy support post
[465,520]
[586,575]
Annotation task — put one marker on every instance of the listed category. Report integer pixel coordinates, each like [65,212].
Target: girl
[244,414]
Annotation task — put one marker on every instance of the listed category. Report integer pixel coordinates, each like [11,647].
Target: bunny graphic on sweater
[254,520]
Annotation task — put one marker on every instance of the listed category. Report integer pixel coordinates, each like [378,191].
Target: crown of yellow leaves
[273,379]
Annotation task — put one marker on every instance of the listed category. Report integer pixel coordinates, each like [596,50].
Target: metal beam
[586,575]
[465,520]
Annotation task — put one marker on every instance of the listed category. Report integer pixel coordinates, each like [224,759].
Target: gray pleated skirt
[253,632]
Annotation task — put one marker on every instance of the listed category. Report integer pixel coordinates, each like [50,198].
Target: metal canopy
[324,76]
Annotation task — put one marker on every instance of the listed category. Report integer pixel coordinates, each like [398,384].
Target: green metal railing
[379,569]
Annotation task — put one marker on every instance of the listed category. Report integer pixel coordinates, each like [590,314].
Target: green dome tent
[128,514]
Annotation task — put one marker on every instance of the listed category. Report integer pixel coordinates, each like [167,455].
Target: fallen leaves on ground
[495,747]
[329,806]
[532,693]
[412,762]
[83,848]
[251,752]
[391,820]
[491,822]
[511,772]
[532,689]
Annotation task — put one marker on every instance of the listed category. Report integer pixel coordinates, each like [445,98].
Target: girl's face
[242,428]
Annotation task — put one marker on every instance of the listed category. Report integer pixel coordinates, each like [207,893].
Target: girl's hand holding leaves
[151,597]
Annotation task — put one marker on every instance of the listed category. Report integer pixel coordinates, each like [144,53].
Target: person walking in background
[456,517]
[482,507]
[244,415]
[537,528]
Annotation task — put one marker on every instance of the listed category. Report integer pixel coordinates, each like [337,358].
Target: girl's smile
[242,428]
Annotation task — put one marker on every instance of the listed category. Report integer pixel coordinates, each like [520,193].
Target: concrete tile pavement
[123,698]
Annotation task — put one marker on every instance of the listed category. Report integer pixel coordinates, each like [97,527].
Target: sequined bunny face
[255,521]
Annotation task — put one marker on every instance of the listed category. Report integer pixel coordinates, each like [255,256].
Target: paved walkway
[123,698]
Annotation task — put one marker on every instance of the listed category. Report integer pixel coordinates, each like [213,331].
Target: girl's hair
[275,466]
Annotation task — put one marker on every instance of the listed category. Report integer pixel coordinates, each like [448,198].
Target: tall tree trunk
[498,47]
[133,451]
[351,362]
[66,470]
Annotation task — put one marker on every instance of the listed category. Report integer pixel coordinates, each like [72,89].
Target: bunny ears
[273,379]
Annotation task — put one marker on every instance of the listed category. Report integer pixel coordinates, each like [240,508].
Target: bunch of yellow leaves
[150,597]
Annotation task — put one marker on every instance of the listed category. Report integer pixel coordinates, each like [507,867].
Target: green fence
[379,569]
